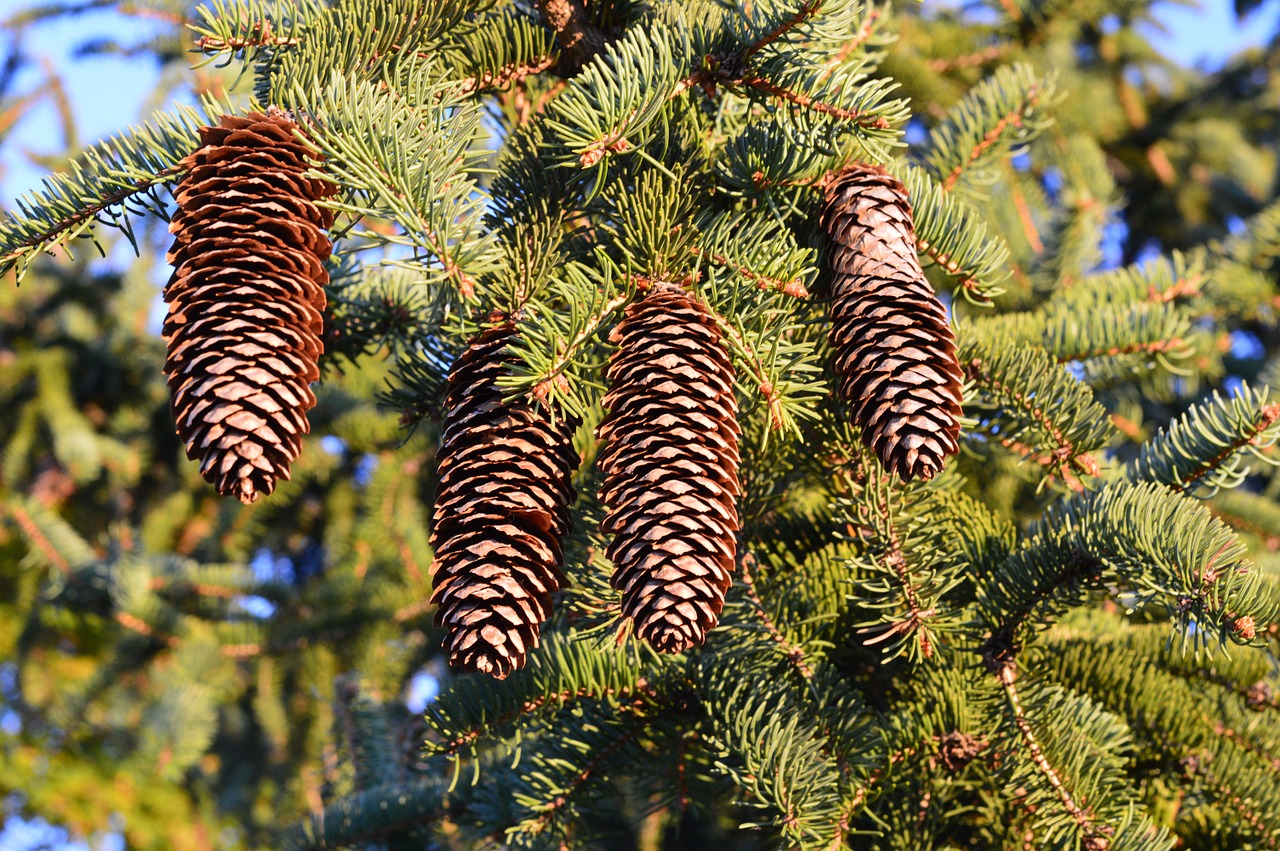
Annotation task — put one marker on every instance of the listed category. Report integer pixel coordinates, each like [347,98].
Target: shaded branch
[579,38]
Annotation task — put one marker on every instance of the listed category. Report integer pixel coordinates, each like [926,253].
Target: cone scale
[501,512]
[670,463]
[245,301]
[893,348]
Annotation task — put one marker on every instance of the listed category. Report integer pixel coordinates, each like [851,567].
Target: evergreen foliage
[1065,639]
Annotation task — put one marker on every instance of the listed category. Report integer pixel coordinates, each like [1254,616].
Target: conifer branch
[585,333]
[1149,347]
[1013,118]
[1025,218]
[1206,448]
[953,235]
[1240,741]
[36,537]
[1083,818]
[257,35]
[1239,803]
[503,77]
[1065,452]
[894,558]
[806,10]
[994,119]
[794,287]
[370,815]
[800,99]
[795,653]
[758,371]
[859,38]
[584,774]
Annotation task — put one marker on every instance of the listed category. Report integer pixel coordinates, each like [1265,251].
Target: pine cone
[245,301]
[670,468]
[501,513]
[893,348]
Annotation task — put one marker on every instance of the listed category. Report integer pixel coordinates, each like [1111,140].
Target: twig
[89,211]
[1013,117]
[976,59]
[794,653]
[504,76]
[794,288]
[1267,417]
[772,400]
[806,11]
[759,83]
[1006,676]
[895,559]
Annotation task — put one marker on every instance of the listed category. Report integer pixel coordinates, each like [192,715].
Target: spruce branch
[547,811]
[794,653]
[425,187]
[952,234]
[995,119]
[368,816]
[963,61]
[916,624]
[794,287]
[503,77]
[560,673]
[1094,835]
[1209,447]
[804,11]
[100,185]
[1154,547]
[1014,382]
[860,116]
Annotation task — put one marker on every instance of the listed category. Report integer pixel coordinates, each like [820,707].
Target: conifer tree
[769,394]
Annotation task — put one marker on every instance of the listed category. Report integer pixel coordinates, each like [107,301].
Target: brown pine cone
[893,348]
[501,513]
[670,468]
[245,301]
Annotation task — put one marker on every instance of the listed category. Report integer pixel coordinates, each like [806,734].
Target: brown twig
[1012,118]
[1025,218]
[794,653]
[1082,817]
[757,369]
[33,533]
[1065,450]
[759,83]
[1267,417]
[260,34]
[948,264]
[794,288]
[504,76]
[976,59]
[895,559]
[90,210]
[806,11]
[585,774]
[1154,347]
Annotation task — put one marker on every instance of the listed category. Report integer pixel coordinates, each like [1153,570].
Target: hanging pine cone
[670,468]
[893,348]
[501,513]
[245,301]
